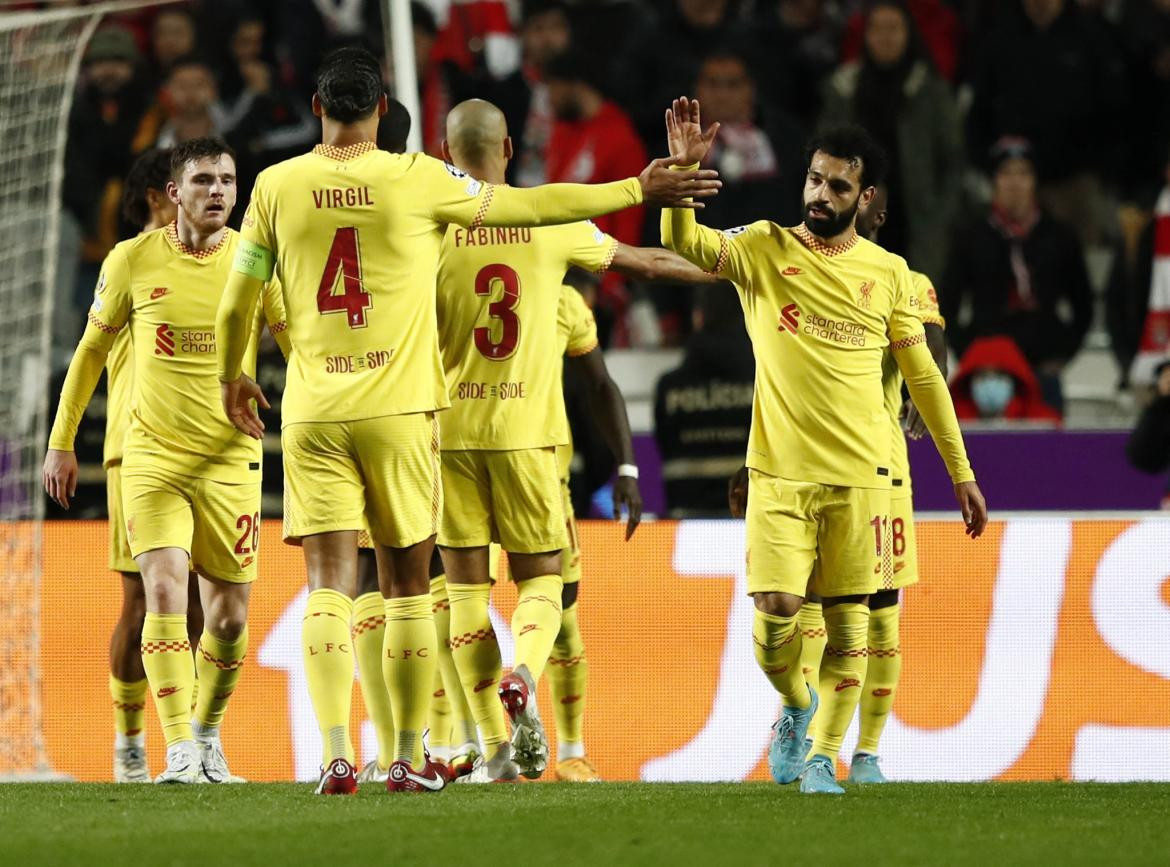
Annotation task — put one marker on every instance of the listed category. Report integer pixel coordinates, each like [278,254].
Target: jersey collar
[172,234]
[346,153]
[817,245]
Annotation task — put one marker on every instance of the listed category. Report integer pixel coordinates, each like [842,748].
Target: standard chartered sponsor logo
[836,330]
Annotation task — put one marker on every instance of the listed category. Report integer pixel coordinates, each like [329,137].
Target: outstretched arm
[654,263]
[608,409]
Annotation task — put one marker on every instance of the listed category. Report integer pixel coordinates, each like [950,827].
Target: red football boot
[340,778]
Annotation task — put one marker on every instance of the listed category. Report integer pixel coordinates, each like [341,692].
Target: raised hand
[667,188]
[973,506]
[737,493]
[684,132]
[237,404]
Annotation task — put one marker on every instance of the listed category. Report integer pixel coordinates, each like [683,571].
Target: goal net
[40,57]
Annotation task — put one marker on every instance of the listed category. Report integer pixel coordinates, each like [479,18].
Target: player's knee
[883,599]
[367,571]
[778,604]
[227,623]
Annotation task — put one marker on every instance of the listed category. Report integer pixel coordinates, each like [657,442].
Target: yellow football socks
[166,656]
[129,701]
[567,675]
[327,651]
[459,724]
[810,620]
[881,676]
[369,632]
[777,644]
[842,673]
[217,664]
[477,659]
[408,665]
[537,621]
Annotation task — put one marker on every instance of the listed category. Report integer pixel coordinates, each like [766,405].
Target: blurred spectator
[310,29]
[994,382]
[172,38]
[191,99]
[1017,267]
[394,127]
[795,46]
[109,124]
[442,85]
[703,409]
[665,53]
[935,21]
[478,37]
[1054,77]
[523,95]
[593,141]
[895,93]
[1148,448]
[1145,31]
[759,156]
[1137,309]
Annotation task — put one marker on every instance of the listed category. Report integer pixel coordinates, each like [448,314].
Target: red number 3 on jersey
[345,265]
[504,310]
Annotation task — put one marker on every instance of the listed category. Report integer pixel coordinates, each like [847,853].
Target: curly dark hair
[150,171]
[197,149]
[851,142]
[349,84]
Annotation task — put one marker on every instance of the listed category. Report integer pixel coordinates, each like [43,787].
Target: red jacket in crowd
[1000,353]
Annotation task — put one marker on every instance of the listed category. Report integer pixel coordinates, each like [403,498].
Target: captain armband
[254,261]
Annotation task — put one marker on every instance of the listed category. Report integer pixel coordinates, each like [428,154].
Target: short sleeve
[589,247]
[112,298]
[927,300]
[575,323]
[905,327]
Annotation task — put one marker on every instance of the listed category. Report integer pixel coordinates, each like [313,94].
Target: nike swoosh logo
[433,783]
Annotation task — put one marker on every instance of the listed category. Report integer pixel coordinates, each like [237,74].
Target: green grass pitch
[609,824]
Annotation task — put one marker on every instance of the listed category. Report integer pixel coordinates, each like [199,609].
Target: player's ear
[383,105]
[508,149]
[317,109]
[867,195]
[446,152]
[173,192]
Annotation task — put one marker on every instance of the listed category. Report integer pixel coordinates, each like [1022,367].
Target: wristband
[629,471]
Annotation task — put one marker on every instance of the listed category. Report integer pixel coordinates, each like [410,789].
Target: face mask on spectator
[992,391]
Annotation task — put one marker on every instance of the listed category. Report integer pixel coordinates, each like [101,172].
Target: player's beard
[830,227]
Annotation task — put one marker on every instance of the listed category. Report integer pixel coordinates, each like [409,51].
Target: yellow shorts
[902,542]
[792,526]
[511,497]
[216,523]
[121,560]
[381,473]
[571,556]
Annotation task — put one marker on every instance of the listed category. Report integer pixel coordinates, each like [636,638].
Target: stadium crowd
[1023,136]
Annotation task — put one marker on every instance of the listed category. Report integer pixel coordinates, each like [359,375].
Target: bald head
[477,139]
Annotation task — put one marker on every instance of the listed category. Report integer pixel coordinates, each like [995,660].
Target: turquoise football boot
[786,752]
[819,777]
[865,769]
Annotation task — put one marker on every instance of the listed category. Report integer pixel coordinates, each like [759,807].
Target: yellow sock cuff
[212,648]
[439,586]
[128,691]
[548,587]
[168,626]
[325,602]
[409,608]
[369,607]
[774,619]
[463,592]
[847,625]
[883,627]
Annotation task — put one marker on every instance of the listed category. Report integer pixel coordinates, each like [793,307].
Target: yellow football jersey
[924,301]
[577,333]
[498,307]
[119,389]
[355,234]
[169,295]
[820,320]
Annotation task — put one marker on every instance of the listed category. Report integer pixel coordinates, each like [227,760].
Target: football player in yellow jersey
[355,234]
[144,203]
[884,654]
[568,671]
[498,299]
[822,306]
[190,481]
